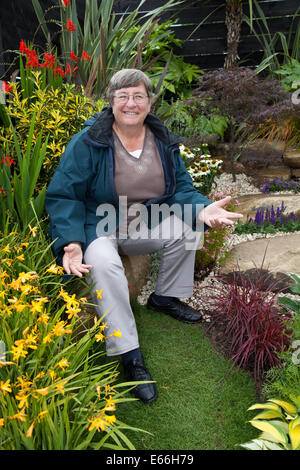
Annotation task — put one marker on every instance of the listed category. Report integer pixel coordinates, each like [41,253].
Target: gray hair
[127,78]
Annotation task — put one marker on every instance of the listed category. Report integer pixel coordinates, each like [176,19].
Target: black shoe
[136,370]
[177,309]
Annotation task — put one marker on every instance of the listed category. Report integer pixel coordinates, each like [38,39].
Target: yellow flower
[36,306]
[54,269]
[21,416]
[20,257]
[6,249]
[32,230]
[23,399]
[18,350]
[117,333]
[5,387]
[99,337]
[42,391]
[29,430]
[110,405]
[98,423]
[63,363]
[7,261]
[111,419]
[1,422]
[47,339]
[52,374]
[43,318]
[60,387]
[24,383]
[103,326]
[23,277]
[60,328]
[99,293]
[42,414]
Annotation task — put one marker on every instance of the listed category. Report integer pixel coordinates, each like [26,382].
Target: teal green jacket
[84,179]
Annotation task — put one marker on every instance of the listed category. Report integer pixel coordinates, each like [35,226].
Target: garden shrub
[55,392]
[280,422]
[60,114]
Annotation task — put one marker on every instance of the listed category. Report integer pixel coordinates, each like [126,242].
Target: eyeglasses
[138,98]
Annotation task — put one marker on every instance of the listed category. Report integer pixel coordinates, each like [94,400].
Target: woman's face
[132,112]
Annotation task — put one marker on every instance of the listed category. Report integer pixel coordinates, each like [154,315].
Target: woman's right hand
[72,260]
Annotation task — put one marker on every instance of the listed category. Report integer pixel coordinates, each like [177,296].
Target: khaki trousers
[175,277]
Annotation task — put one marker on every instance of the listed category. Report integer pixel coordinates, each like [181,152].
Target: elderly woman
[123,162]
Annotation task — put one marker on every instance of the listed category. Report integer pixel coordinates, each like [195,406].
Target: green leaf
[294,430]
[288,407]
[273,429]
[268,414]
[40,15]
[264,406]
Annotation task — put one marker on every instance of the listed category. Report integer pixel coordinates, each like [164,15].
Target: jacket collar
[100,132]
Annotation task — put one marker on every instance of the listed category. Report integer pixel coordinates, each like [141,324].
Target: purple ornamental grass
[251,320]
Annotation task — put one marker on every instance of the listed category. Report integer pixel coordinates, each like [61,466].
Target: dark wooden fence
[204,45]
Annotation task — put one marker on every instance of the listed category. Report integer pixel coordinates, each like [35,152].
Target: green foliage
[216,246]
[267,227]
[280,422]
[289,75]
[59,114]
[279,48]
[185,120]
[284,380]
[295,287]
[100,37]
[19,199]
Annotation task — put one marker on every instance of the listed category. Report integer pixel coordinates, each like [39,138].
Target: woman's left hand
[215,215]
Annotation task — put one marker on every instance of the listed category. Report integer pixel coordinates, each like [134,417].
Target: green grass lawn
[195,408]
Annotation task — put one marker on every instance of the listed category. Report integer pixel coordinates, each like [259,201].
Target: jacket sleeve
[66,196]
[186,193]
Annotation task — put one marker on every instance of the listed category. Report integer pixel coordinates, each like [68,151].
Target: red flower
[68,69]
[32,60]
[23,48]
[66,2]
[73,56]
[85,56]
[7,160]
[59,71]
[7,88]
[49,61]
[70,26]
[2,191]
